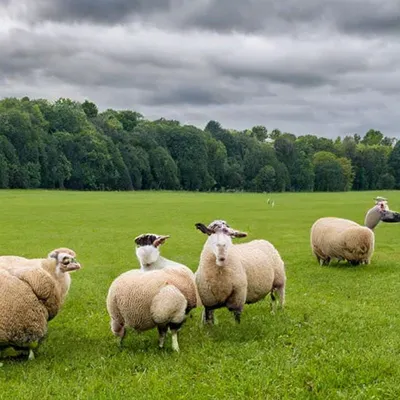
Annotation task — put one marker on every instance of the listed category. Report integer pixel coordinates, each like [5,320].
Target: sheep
[233,275]
[160,294]
[31,294]
[66,262]
[344,239]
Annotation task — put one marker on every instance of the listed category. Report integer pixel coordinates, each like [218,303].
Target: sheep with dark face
[234,275]
[343,239]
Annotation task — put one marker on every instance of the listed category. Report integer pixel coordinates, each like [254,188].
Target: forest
[67,144]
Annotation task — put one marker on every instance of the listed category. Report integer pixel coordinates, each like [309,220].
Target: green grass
[338,338]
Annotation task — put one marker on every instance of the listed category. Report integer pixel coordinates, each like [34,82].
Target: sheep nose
[222,259]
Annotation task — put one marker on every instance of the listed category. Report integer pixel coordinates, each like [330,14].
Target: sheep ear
[237,234]
[53,254]
[160,240]
[201,227]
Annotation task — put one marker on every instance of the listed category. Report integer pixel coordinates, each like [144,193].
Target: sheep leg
[237,314]
[208,316]
[326,261]
[174,328]
[118,329]
[237,311]
[162,333]
[175,344]
[273,301]
[31,355]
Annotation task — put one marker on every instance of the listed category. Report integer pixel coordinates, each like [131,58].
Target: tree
[394,164]
[90,109]
[372,137]
[164,169]
[259,132]
[332,174]
[265,179]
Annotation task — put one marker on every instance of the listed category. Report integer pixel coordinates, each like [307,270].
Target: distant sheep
[233,275]
[343,239]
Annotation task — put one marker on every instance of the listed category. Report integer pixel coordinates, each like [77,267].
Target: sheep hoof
[31,355]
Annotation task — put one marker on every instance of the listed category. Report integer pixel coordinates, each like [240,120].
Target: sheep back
[23,317]
[263,266]
[43,286]
[131,295]
[342,239]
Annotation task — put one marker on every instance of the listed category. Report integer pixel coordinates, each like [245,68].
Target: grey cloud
[102,11]
[301,69]
[289,17]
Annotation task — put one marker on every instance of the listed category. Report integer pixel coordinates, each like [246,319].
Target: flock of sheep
[163,292]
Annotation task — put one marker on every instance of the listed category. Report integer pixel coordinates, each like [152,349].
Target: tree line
[71,145]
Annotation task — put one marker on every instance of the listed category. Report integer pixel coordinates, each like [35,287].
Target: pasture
[338,338]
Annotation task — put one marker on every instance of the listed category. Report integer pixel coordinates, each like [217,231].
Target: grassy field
[338,338]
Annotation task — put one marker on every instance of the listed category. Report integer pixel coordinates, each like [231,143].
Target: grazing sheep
[31,294]
[160,294]
[233,275]
[344,239]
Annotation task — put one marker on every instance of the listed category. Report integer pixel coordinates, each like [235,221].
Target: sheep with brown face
[232,275]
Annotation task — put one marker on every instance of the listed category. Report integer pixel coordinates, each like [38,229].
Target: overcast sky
[326,67]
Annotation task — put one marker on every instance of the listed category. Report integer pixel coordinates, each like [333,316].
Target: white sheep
[31,294]
[152,297]
[231,275]
[343,239]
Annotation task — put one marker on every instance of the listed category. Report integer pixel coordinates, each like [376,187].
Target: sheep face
[220,238]
[66,261]
[220,243]
[148,251]
[147,255]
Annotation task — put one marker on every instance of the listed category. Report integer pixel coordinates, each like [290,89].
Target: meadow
[338,337]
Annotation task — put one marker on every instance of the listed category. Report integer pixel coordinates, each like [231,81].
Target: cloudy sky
[327,67]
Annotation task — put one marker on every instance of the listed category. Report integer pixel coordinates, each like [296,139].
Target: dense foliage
[67,144]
